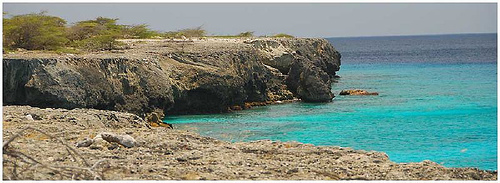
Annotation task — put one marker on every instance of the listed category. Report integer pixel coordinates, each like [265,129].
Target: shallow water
[438,101]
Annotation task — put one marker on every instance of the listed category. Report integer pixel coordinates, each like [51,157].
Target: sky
[299,19]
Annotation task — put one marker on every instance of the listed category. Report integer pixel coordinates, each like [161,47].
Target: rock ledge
[175,77]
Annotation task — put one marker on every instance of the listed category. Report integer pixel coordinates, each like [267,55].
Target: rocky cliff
[174,76]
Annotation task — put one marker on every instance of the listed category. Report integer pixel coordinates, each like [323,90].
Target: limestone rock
[125,140]
[85,143]
[29,117]
[309,82]
[199,76]
[103,83]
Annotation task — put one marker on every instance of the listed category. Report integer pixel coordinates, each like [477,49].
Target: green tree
[98,34]
[84,30]
[34,32]
[90,28]
[99,42]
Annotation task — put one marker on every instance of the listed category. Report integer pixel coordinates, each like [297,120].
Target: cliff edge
[208,75]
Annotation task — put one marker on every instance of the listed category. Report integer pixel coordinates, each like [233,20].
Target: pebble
[29,117]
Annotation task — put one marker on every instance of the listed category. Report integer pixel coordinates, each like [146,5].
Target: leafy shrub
[172,34]
[102,29]
[90,28]
[83,30]
[282,35]
[34,32]
[138,32]
[100,42]
[188,33]
[193,32]
[98,34]
[246,34]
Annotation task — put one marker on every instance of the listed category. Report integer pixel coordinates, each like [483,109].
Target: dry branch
[72,172]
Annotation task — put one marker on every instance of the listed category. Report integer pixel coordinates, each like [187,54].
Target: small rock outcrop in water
[168,154]
[200,76]
[357,92]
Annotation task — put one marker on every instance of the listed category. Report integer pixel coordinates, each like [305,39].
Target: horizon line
[410,35]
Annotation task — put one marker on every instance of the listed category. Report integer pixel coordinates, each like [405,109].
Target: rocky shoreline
[168,154]
[206,75]
[100,114]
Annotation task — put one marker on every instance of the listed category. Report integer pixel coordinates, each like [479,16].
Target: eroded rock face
[309,63]
[309,82]
[202,76]
[110,83]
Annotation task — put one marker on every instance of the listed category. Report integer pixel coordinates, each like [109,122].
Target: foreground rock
[166,154]
[200,76]
[357,92]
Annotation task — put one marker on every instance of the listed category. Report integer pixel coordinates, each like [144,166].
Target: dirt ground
[46,150]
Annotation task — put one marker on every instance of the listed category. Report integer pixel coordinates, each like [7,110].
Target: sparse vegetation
[282,35]
[39,31]
[240,35]
[188,33]
[138,32]
[246,34]
[172,34]
[193,32]
[99,42]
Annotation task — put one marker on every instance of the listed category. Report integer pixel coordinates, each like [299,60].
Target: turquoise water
[439,110]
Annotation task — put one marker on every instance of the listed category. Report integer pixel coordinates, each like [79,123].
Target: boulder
[85,142]
[125,140]
[309,82]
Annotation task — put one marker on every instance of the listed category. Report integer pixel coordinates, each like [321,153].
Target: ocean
[438,102]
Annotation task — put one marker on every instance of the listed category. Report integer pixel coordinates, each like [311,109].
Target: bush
[188,33]
[101,33]
[282,35]
[172,34]
[100,42]
[90,28]
[246,34]
[193,32]
[138,32]
[44,32]
[81,31]
[34,32]
[98,34]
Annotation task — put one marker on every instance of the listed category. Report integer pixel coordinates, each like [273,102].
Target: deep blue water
[438,101]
